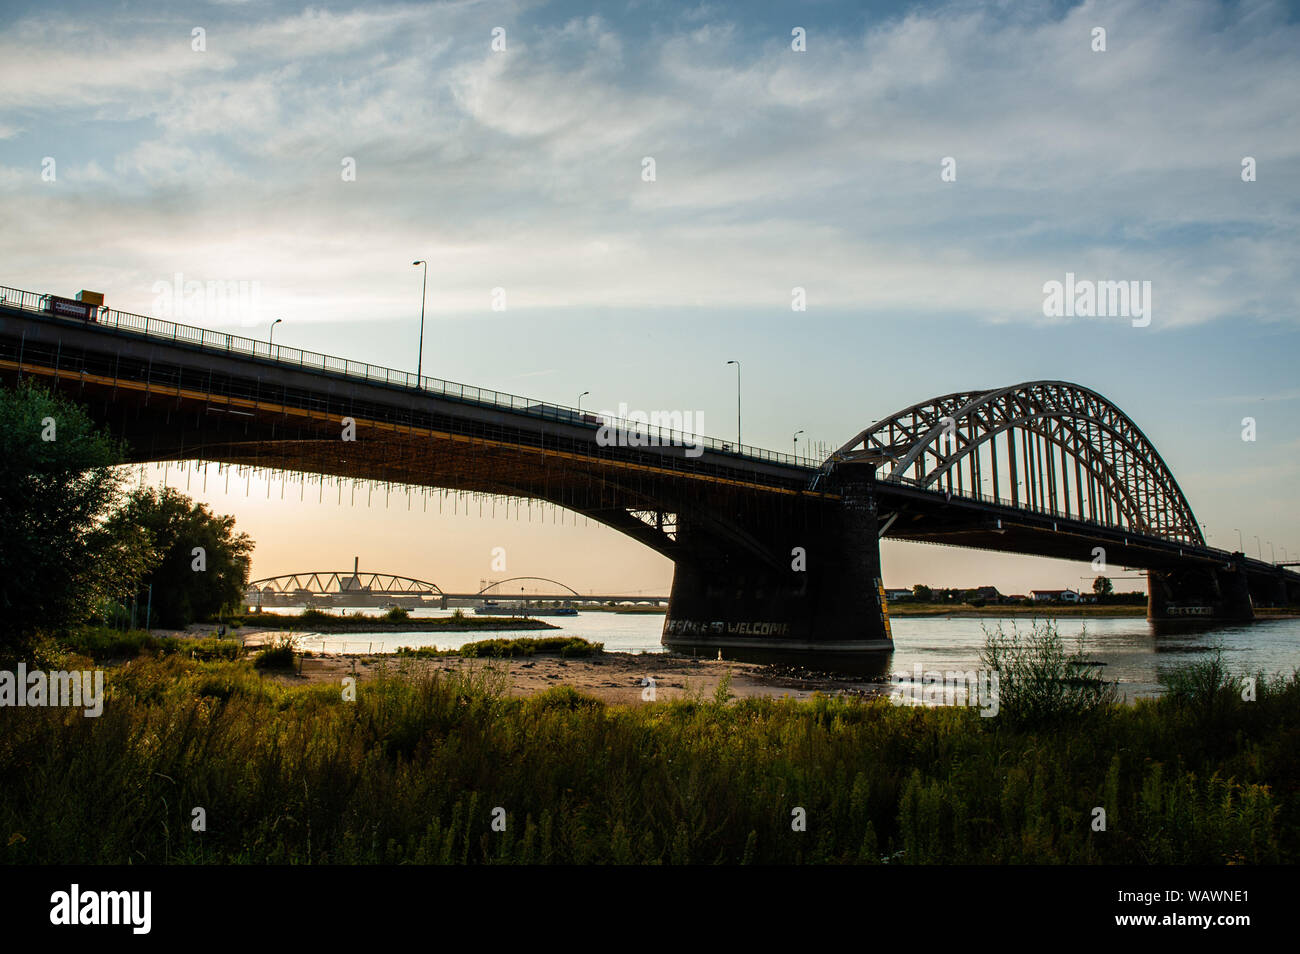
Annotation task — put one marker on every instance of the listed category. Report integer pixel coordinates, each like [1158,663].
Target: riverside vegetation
[411,771]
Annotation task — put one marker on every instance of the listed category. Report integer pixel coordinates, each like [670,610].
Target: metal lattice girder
[322,582]
[1047,446]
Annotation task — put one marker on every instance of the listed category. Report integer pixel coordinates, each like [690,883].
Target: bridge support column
[1211,593]
[798,582]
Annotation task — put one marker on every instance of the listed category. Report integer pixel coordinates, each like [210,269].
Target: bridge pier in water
[1208,593]
[793,583]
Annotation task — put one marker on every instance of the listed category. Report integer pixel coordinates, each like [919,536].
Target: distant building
[893,596]
[1054,596]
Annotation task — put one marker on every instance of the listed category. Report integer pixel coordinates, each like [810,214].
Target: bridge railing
[633,433]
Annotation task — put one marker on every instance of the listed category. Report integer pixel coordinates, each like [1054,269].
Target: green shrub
[213,648]
[421,652]
[1204,687]
[396,614]
[1039,684]
[279,655]
[566,646]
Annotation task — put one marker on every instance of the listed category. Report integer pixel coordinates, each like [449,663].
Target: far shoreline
[1050,611]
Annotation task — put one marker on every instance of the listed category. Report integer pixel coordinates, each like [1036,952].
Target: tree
[1102,586]
[922,593]
[201,562]
[59,560]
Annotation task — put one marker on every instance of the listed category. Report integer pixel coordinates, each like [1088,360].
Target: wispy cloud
[774,169]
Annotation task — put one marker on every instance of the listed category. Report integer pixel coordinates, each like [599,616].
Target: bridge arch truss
[339,582]
[486,591]
[1046,446]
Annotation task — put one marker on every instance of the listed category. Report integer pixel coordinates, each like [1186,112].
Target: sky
[620,198]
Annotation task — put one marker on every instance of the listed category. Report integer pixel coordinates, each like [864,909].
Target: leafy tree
[202,563]
[59,559]
[922,593]
[1102,586]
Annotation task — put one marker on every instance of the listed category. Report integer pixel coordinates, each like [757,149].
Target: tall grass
[102,643]
[1205,687]
[1039,683]
[411,771]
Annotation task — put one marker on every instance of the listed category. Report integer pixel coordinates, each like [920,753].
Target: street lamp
[737,364]
[580,397]
[270,341]
[796,442]
[1240,546]
[1272,552]
[1258,547]
[419,357]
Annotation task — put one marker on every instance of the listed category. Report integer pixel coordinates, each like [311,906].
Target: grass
[102,644]
[411,770]
[566,646]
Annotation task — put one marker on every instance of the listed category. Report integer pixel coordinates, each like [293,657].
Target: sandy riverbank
[617,678]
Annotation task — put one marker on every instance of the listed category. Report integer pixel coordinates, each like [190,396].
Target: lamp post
[270,340]
[737,364]
[796,442]
[580,397]
[1258,547]
[419,357]
[1240,546]
[1271,552]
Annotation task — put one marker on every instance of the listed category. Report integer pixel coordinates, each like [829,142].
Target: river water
[1132,650]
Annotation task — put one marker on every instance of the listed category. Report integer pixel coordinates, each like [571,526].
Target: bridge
[376,587]
[772,553]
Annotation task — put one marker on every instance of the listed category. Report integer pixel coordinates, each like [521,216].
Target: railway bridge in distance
[774,555]
[373,587]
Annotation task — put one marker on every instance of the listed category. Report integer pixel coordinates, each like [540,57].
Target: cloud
[774,169]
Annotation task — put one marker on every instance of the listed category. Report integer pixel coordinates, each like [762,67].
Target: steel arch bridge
[1043,468]
[485,591]
[1046,446]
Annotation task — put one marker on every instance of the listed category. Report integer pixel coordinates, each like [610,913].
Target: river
[1132,650]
